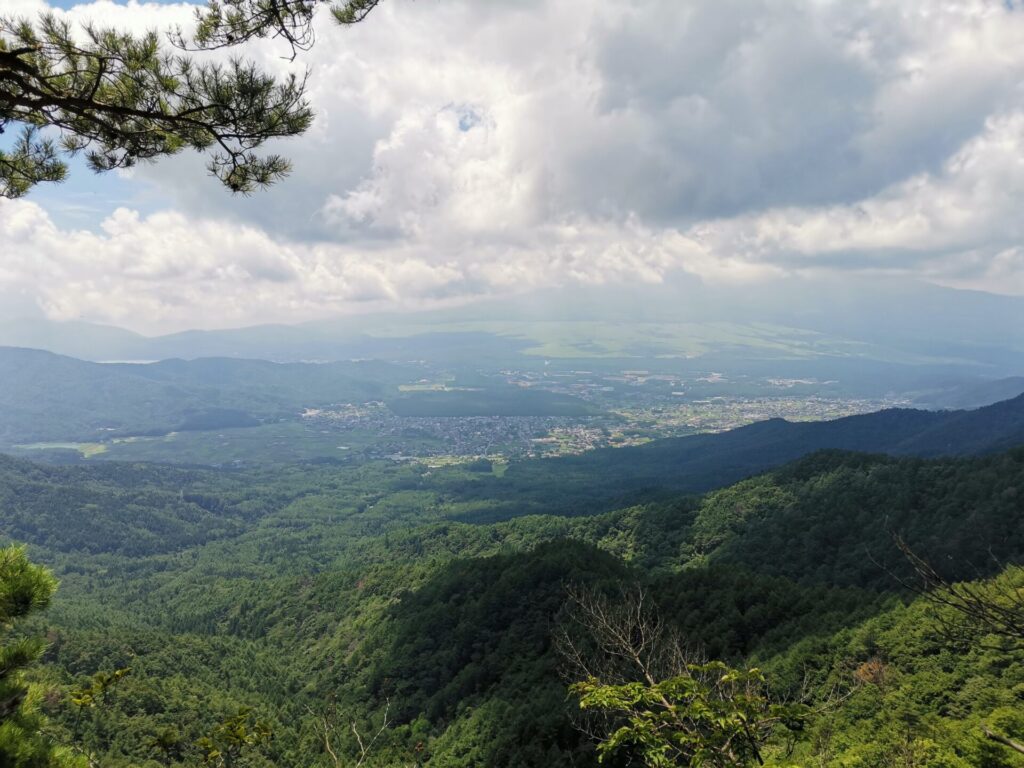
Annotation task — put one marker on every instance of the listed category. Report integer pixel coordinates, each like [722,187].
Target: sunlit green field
[611,340]
[85,449]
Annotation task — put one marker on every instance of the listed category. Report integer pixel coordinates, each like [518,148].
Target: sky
[466,149]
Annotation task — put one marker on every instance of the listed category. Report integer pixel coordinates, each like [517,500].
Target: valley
[432,592]
[369,431]
[396,544]
[229,412]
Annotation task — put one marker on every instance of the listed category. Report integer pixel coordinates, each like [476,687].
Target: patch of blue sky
[469,117]
[85,198]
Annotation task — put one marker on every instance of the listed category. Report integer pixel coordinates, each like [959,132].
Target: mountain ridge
[699,463]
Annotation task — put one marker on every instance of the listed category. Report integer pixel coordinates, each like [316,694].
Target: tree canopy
[25,588]
[118,98]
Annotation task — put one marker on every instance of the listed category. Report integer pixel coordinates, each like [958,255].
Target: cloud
[958,225]
[168,271]
[465,148]
[672,111]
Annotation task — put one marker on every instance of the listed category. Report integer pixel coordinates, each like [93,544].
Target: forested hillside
[48,397]
[322,597]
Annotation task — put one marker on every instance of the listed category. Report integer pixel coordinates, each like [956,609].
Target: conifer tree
[25,588]
[118,98]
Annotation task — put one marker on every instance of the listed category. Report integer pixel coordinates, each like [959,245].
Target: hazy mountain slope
[973,394]
[88,341]
[277,385]
[48,397]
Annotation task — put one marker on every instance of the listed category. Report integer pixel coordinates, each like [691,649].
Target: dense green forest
[425,606]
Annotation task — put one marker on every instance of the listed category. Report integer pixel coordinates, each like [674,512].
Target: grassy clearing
[86,449]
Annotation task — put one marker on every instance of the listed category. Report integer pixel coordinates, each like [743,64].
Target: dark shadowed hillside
[701,462]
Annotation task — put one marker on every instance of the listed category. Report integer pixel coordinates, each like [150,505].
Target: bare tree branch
[990,607]
[326,728]
[1016,746]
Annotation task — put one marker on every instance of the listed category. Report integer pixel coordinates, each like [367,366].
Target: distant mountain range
[888,335]
[972,394]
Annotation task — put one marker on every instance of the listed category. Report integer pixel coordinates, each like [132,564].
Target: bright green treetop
[711,715]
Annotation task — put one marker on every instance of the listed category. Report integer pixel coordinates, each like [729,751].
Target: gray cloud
[724,108]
